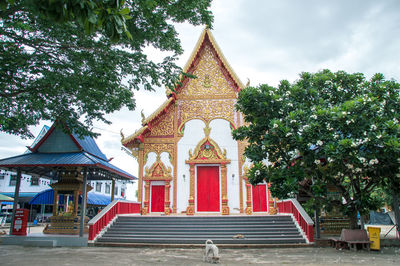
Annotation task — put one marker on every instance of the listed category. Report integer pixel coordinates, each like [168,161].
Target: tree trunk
[395,206]
[353,219]
[317,224]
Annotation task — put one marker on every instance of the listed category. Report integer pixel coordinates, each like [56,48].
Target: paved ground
[18,255]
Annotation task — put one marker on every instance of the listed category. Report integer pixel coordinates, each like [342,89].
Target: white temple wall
[192,135]
[221,133]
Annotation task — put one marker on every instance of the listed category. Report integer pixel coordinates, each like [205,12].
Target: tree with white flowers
[327,130]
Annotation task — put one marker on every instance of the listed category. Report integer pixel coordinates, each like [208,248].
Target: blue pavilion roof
[58,149]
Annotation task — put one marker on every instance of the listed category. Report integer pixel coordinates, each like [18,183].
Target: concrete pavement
[19,255]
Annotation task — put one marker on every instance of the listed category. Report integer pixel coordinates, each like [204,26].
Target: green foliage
[337,130]
[60,71]
[120,19]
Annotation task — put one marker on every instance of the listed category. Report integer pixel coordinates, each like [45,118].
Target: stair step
[195,230]
[189,240]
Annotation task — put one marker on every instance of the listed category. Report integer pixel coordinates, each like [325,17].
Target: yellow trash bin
[374,236]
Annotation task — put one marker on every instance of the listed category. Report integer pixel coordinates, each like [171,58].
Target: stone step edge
[221,246]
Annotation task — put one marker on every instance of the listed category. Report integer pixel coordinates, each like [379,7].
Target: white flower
[317,162]
[373,127]
[348,122]
[350,166]
[398,175]
[288,134]
[362,159]
[395,120]
[379,136]
[257,173]
[319,143]
[357,170]
[373,161]
[275,125]
[314,116]
[330,160]
[293,121]
[263,147]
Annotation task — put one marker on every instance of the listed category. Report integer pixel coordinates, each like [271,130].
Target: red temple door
[260,198]
[157,198]
[208,189]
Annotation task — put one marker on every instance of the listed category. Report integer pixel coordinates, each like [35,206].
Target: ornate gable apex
[207,41]
[158,171]
[205,38]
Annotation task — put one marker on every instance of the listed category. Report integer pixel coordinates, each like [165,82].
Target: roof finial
[122,135]
[143,117]
[248,83]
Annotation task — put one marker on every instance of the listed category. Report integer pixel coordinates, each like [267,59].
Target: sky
[266,41]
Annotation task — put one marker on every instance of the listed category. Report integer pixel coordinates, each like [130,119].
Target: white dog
[211,252]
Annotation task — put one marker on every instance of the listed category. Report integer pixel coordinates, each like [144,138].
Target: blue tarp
[47,196]
[379,218]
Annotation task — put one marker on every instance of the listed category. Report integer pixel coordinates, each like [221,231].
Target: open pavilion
[63,156]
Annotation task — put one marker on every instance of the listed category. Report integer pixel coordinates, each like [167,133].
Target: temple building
[189,162]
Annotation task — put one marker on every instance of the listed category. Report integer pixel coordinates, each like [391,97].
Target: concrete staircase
[195,230]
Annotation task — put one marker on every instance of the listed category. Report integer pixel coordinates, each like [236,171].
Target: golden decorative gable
[210,81]
[207,149]
[159,148]
[207,110]
[163,126]
[158,171]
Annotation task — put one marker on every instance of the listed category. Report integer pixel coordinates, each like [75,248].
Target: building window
[123,192]
[116,191]
[98,186]
[13,180]
[34,181]
[108,189]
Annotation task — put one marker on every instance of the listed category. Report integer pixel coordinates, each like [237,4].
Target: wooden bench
[350,238]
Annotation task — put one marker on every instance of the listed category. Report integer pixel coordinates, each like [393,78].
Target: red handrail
[102,219]
[305,222]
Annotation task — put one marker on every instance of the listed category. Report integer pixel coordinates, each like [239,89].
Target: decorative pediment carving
[207,149]
[158,171]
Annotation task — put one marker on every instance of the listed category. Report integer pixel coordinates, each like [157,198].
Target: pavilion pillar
[83,203]
[76,200]
[55,203]
[16,198]
[112,189]
[190,208]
